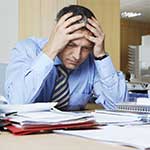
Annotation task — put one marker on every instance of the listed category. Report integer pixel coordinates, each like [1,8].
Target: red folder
[38,129]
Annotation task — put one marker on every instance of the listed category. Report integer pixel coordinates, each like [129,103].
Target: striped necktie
[61,88]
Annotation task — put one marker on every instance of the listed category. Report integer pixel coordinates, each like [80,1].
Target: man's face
[76,52]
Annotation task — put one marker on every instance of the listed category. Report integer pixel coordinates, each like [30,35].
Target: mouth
[73,62]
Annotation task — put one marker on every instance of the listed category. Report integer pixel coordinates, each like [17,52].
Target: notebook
[133,107]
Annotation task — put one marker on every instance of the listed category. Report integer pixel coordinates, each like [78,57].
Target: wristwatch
[102,57]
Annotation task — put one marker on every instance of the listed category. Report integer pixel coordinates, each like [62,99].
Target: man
[67,68]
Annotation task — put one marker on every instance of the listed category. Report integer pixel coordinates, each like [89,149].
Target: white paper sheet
[115,117]
[137,136]
[48,117]
[7,108]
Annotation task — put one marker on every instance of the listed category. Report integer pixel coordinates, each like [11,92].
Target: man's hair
[76,10]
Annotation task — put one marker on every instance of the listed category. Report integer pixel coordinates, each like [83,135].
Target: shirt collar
[57,61]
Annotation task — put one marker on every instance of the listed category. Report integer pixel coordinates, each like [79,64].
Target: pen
[11,113]
[4,115]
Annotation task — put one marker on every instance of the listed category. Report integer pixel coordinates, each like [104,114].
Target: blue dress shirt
[30,78]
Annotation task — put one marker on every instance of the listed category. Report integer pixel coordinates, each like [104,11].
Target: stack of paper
[33,122]
[8,110]
[37,117]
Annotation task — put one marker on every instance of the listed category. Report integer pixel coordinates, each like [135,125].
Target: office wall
[37,17]
[131,32]
[29,18]
[108,14]
[8,27]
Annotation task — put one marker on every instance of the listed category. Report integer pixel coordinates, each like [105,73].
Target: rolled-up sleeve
[109,85]
[26,72]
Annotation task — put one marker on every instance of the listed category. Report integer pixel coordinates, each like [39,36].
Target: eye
[71,45]
[86,49]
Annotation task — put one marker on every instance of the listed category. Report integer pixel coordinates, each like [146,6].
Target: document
[119,127]
[48,118]
[111,117]
[7,108]
[136,136]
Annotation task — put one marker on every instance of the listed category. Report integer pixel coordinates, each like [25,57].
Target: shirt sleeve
[28,68]
[109,85]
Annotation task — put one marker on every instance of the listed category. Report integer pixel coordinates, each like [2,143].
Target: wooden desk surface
[52,141]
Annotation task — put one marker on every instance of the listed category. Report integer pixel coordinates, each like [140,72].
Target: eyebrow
[88,47]
[71,43]
[74,44]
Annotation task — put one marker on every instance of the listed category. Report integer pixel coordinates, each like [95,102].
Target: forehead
[83,41]
[84,31]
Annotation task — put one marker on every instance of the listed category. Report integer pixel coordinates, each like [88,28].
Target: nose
[77,53]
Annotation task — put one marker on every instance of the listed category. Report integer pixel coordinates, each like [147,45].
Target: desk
[54,142]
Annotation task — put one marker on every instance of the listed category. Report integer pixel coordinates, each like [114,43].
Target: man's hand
[97,39]
[62,34]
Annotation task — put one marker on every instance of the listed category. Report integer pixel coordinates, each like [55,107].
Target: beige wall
[29,18]
[37,18]
[131,32]
[108,14]
[49,9]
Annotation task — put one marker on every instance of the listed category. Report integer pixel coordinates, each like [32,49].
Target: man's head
[77,50]
[76,10]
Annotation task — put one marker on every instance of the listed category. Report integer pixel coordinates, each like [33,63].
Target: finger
[90,38]
[95,20]
[93,30]
[74,36]
[72,20]
[63,18]
[75,27]
[95,24]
